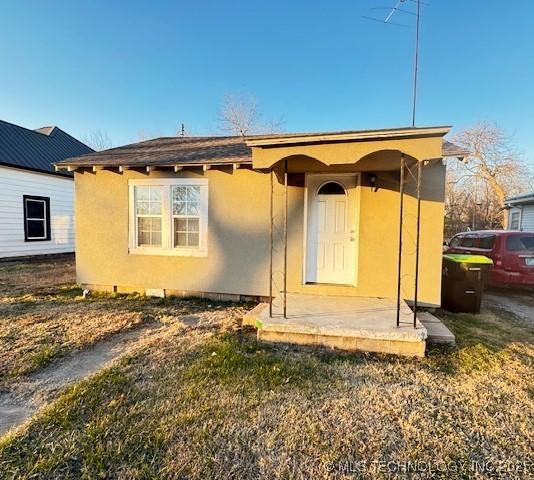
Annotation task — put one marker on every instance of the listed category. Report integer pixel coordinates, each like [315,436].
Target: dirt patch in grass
[43,323]
[32,392]
[31,340]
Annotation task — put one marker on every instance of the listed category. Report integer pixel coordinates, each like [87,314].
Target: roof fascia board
[515,201]
[64,166]
[339,137]
[36,170]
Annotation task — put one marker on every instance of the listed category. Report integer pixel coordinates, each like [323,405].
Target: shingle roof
[170,151]
[523,197]
[452,150]
[37,149]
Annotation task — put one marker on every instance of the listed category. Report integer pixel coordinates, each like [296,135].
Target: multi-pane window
[186,215]
[148,211]
[36,218]
[169,216]
[514,220]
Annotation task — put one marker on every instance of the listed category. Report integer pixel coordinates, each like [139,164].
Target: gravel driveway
[518,303]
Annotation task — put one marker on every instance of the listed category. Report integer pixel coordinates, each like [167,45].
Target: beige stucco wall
[238,238]
[350,152]
[237,235]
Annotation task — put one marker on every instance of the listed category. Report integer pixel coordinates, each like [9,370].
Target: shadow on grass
[64,293]
[134,302]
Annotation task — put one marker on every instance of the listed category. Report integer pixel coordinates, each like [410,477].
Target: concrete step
[437,331]
[349,343]
[254,316]
[365,324]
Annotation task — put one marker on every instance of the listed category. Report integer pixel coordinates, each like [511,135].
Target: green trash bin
[463,280]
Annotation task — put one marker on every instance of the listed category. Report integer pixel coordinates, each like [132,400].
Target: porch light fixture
[372,181]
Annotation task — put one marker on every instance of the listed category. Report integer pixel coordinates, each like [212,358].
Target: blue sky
[123,67]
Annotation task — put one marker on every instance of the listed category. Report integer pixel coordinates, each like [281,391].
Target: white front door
[331,229]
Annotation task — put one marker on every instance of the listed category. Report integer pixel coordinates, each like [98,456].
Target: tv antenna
[399,8]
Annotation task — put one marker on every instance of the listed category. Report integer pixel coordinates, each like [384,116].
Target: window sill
[168,252]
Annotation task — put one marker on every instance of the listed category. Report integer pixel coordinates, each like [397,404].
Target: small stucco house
[337,232]
[36,202]
[232,217]
[521,212]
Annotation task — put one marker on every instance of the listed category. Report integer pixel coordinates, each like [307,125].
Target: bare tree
[98,140]
[457,202]
[477,188]
[143,135]
[239,115]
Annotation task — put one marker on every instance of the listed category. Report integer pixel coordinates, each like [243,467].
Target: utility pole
[474,224]
[395,11]
[416,61]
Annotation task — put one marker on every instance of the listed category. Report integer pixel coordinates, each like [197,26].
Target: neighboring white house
[521,212]
[36,202]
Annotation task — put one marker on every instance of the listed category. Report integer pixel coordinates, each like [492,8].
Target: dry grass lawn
[43,315]
[212,403]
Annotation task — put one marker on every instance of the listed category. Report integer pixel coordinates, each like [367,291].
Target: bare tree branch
[476,190]
[98,140]
[143,135]
[239,115]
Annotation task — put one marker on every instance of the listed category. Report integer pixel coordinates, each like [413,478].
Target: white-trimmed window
[186,215]
[36,218]
[148,215]
[515,217]
[169,216]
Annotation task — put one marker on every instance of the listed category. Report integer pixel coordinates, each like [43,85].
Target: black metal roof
[39,149]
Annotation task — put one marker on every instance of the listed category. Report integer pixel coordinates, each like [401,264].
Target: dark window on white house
[36,218]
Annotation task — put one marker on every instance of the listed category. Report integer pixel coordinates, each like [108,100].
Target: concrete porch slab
[437,331]
[347,323]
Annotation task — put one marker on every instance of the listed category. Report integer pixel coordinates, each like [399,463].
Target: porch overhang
[406,151]
[348,148]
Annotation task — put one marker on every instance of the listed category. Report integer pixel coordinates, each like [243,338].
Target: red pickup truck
[512,253]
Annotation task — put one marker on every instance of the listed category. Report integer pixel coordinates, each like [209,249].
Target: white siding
[14,183]
[527,218]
